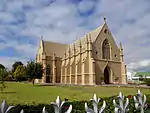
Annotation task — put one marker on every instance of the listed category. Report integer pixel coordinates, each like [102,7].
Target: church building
[92,60]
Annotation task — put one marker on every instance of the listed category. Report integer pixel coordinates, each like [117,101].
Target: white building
[130,76]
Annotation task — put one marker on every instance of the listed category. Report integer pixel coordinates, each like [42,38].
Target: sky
[23,22]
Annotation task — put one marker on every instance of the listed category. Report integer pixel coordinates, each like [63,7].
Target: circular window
[105,31]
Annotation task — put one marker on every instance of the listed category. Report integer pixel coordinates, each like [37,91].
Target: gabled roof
[53,47]
[94,34]
[59,49]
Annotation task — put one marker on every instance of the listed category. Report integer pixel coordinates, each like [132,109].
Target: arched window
[48,70]
[106,49]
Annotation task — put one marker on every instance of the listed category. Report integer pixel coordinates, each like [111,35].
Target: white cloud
[86,6]
[60,21]
[9,61]
[6,17]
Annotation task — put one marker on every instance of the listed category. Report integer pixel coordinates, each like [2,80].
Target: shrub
[147,81]
[78,106]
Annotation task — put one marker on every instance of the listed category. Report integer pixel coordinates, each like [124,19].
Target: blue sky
[23,22]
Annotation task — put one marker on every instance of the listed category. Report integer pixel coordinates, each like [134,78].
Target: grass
[24,93]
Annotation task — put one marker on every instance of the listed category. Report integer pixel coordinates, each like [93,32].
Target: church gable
[104,46]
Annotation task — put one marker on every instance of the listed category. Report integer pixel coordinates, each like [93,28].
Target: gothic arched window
[106,49]
[48,70]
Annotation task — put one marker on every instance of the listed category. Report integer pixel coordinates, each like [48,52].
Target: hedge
[78,106]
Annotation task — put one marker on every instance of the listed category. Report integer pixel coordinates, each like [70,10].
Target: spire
[41,37]
[121,52]
[121,46]
[87,38]
[74,48]
[90,40]
[42,44]
[65,54]
[80,43]
[69,51]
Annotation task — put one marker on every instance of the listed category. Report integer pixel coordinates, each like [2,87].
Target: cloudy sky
[23,22]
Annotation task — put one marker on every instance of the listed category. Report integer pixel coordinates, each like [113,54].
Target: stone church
[92,60]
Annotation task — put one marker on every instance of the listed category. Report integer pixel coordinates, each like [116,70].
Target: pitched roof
[94,34]
[57,48]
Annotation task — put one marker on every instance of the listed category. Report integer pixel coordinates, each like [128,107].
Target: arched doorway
[106,75]
[47,79]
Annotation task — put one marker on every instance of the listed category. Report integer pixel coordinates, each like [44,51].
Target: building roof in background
[142,74]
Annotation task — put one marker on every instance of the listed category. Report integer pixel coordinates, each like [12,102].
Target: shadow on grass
[41,85]
[7,92]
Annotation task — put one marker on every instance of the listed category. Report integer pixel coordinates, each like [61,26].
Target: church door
[47,79]
[106,75]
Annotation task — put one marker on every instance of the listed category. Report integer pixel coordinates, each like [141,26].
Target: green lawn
[23,93]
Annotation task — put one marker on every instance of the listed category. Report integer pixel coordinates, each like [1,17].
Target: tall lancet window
[106,49]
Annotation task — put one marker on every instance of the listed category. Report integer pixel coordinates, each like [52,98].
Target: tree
[15,65]
[3,76]
[20,73]
[2,66]
[141,78]
[34,70]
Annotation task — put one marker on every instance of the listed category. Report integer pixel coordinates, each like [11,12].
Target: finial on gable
[41,37]
[104,18]
[121,46]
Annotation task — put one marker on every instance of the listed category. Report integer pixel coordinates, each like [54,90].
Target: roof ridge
[54,42]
